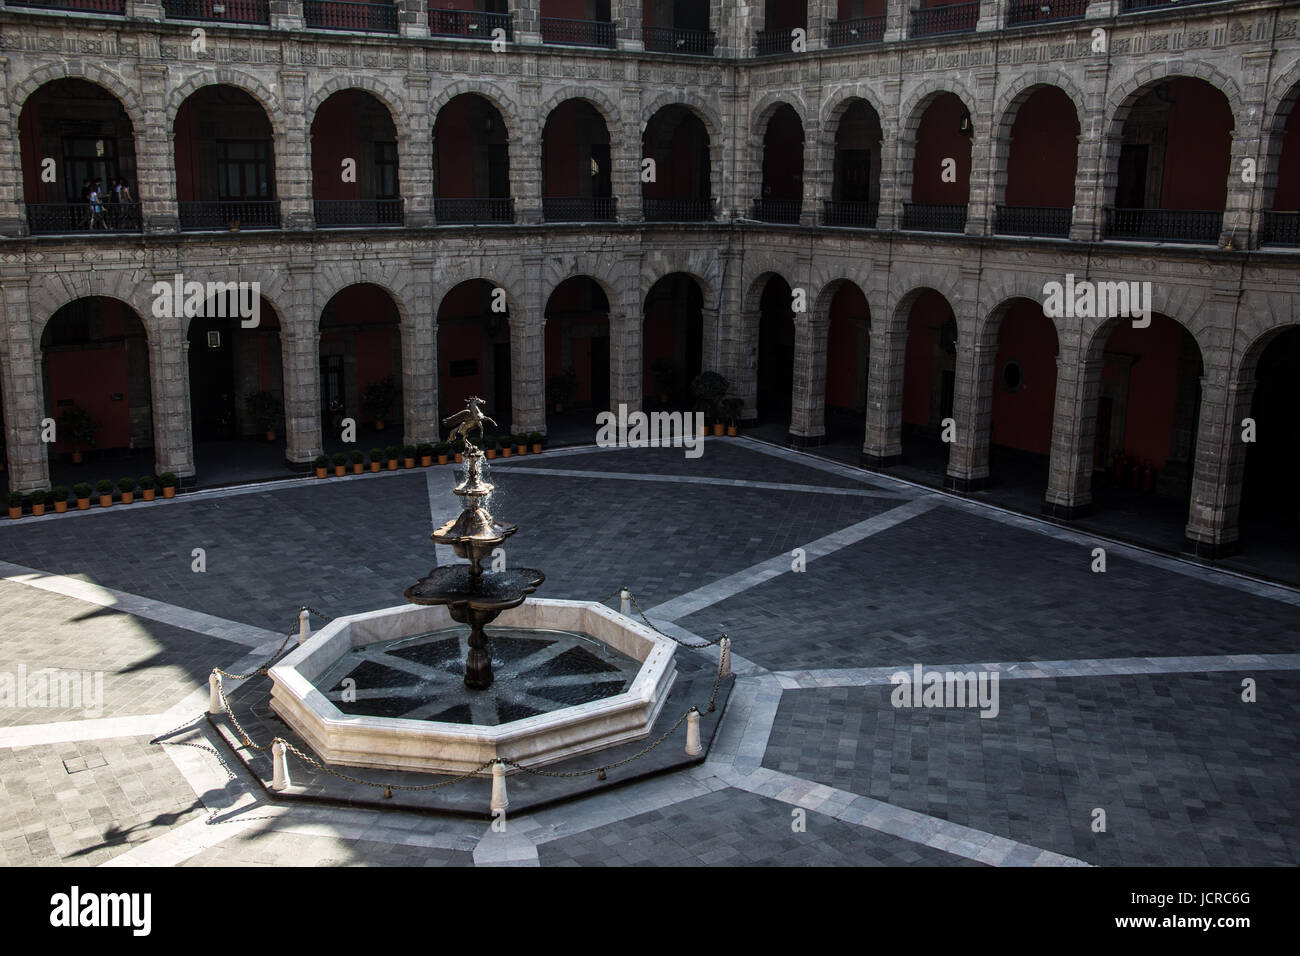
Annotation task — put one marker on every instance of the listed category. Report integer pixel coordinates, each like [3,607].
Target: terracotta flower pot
[408,462]
[718,429]
[442,459]
[559,408]
[169,491]
[148,494]
[16,512]
[459,458]
[270,434]
[506,452]
[733,431]
[491,453]
[392,464]
[537,448]
[339,470]
[379,424]
[77,458]
[357,467]
[83,504]
[320,472]
[522,450]
[60,507]
[128,497]
[106,501]
[38,509]
[426,461]
[374,466]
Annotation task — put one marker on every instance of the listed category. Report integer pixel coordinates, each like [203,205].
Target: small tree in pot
[340,464]
[732,408]
[15,504]
[358,460]
[78,427]
[425,451]
[105,489]
[36,501]
[82,491]
[442,450]
[376,459]
[167,481]
[708,388]
[264,410]
[378,400]
[322,463]
[60,496]
[560,388]
[146,487]
[127,487]
[408,456]
[391,452]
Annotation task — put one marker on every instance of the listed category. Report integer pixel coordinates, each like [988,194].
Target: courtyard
[1160,692]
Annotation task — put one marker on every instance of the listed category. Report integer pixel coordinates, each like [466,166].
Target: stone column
[898,13]
[287,15]
[419,357]
[895,181]
[169,380]
[155,185]
[413,18]
[739,183]
[968,456]
[300,354]
[1243,212]
[1074,427]
[144,10]
[527,371]
[724,350]
[625,152]
[416,160]
[978,203]
[815,173]
[820,13]
[21,388]
[808,403]
[293,159]
[882,444]
[627,16]
[1089,189]
[528,28]
[1219,459]
[626,323]
[992,14]
[526,155]
[13,214]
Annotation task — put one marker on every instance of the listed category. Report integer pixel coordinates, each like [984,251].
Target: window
[386,171]
[243,169]
[86,158]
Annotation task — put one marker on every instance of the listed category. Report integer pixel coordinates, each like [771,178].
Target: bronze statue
[466,421]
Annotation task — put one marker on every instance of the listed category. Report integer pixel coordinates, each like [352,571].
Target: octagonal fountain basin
[386,689]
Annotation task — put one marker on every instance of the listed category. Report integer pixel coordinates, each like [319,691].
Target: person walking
[97,206]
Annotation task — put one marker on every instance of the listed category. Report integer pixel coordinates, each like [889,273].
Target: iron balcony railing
[855,32]
[837,212]
[934,218]
[45,218]
[1021,12]
[1165,225]
[349,15]
[1280,228]
[1051,221]
[222,11]
[578,208]
[473,211]
[1138,6]
[117,7]
[340,213]
[773,42]
[577,32]
[677,210]
[672,40]
[232,214]
[953,18]
[468,23]
[777,210]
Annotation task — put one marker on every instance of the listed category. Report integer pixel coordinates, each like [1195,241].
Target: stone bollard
[280,772]
[724,657]
[693,748]
[304,626]
[625,602]
[499,799]
[214,694]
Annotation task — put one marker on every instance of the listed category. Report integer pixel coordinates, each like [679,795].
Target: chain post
[214,693]
[693,746]
[304,626]
[280,771]
[499,799]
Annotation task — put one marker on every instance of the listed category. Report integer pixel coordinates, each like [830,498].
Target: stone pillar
[1089,189]
[527,371]
[526,155]
[626,325]
[625,152]
[13,214]
[820,13]
[808,403]
[413,18]
[144,10]
[1074,427]
[991,15]
[287,15]
[416,159]
[895,181]
[898,13]
[978,203]
[155,156]
[739,182]
[814,158]
[528,27]
[1102,9]
[972,407]
[293,161]
[419,357]
[882,444]
[725,349]
[21,390]
[627,24]
[1218,467]
[1243,212]
[300,354]
[169,378]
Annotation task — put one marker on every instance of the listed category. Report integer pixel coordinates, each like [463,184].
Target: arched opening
[856,22]
[576,185]
[1270,499]
[1280,225]
[672,342]
[1171,164]
[775,353]
[577,23]
[941,167]
[361,368]
[77,140]
[577,358]
[95,369]
[780,19]
[781,198]
[236,394]
[855,188]
[679,187]
[1024,401]
[848,349]
[677,26]
[225,162]
[354,162]
[1042,156]
[929,382]
[474,351]
[471,163]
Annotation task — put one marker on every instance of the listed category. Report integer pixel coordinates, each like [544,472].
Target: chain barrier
[619,593]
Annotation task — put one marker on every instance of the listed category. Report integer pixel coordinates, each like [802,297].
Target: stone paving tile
[351,546]
[950,587]
[732,827]
[1187,773]
[262,847]
[146,666]
[129,792]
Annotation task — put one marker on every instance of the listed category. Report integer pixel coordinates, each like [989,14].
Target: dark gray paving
[736,828]
[951,587]
[260,847]
[1187,773]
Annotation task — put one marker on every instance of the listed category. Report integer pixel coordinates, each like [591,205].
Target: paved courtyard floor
[1145,715]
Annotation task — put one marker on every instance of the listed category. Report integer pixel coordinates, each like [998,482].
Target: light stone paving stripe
[896,485]
[733,584]
[1037,670]
[189,839]
[137,606]
[702,480]
[67,731]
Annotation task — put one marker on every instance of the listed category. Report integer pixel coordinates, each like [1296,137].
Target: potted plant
[15,504]
[105,489]
[442,450]
[167,481]
[521,443]
[390,456]
[378,399]
[458,450]
[78,427]
[668,376]
[81,491]
[264,409]
[535,439]
[425,451]
[408,456]
[146,487]
[127,487]
[490,446]
[322,463]
[358,461]
[560,388]
[376,458]
[36,500]
[507,445]
[340,461]
[732,407]
[60,496]
[708,388]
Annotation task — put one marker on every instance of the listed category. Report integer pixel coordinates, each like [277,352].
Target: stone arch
[1002,289]
[828,286]
[697,264]
[334,277]
[897,314]
[494,94]
[451,278]
[921,97]
[271,287]
[689,101]
[224,76]
[392,100]
[838,103]
[600,102]
[1124,95]
[54,290]
[1282,100]
[1023,86]
[555,273]
[80,70]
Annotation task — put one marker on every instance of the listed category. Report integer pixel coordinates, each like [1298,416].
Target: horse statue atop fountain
[464,422]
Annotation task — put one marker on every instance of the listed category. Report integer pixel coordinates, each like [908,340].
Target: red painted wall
[334,137]
[847,9]
[459,341]
[456,139]
[848,305]
[565,9]
[660,342]
[930,311]
[786,14]
[1023,419]
[1153,385]
[936,139]
[1287,197]
[90,377]
[783,155]
[1044,151]
[1197,147]
[33,152]
[561,170]
[187,155]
